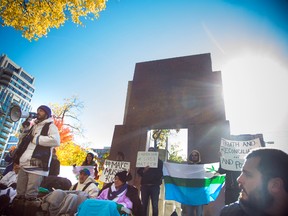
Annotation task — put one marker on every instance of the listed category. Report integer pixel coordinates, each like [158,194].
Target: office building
[16,88]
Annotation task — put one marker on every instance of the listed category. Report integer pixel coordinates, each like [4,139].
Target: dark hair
[89,153]
[124,176]
[85,163]
[273,163]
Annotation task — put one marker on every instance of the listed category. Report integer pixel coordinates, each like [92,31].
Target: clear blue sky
[248,42]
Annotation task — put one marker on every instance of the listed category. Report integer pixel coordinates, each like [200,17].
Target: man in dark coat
[151,179]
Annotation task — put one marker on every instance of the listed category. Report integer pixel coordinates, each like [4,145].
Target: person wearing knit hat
[65,202]
[117,197]
[46,109]
[124,176]
[34,153]
[117,190]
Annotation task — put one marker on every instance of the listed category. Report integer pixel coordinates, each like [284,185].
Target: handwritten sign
[233,153]
[147,159]
[111,168]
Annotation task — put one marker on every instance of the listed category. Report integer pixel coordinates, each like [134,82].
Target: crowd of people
[260,189]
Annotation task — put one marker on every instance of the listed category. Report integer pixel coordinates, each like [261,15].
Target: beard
[259,199]
[40,118]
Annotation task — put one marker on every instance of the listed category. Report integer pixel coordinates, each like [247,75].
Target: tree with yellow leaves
[70,153]
[35,18]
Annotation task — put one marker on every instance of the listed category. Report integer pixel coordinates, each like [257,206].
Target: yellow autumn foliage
[69,154]
[35,18]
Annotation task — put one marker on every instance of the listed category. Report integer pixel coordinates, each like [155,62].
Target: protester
[66,202]
[86,181]
[264,185]
[151,179]
[8,190]
[33,154]
[55,164]
[188,210]
[9,159]
[8,183]
[89,160]
[10,178]
[123,194]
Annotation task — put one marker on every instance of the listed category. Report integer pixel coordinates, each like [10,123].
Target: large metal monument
[181,92]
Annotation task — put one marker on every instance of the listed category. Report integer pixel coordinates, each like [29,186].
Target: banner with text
[233,152]
[146,158]
[111,168]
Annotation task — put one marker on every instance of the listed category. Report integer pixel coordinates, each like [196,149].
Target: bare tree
[68,113]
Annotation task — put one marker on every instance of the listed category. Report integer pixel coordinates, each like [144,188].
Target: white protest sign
[111,168]
[233,152]
[147,159]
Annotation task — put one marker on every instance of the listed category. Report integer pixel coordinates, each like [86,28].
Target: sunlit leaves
[35,18]
[69,154]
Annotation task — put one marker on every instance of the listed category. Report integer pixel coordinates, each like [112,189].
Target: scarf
[113,194]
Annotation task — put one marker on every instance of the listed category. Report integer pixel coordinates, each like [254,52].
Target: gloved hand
[119,206]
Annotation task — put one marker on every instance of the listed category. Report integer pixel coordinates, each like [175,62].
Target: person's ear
[275,185]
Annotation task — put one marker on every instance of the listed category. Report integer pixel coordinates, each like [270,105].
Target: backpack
[56,182]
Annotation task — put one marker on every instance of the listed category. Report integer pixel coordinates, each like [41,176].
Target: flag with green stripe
[194,184]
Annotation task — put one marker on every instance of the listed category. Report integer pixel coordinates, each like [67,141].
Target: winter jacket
[131,193]
[120,199]
[238,209]
[8,159]
[92,190]
[153,176]
[34,165]
[9,178]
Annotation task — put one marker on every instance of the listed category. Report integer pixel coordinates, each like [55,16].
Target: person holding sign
[264,185]
[151,179]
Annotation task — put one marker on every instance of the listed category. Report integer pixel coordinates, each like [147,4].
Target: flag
[190,184]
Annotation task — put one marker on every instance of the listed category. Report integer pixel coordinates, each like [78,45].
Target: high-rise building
[16,88]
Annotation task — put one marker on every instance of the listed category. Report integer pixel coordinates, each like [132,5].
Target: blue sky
[248,42]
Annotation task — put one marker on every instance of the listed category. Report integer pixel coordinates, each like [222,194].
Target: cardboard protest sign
[233,152]
[111,168]
[147,159]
